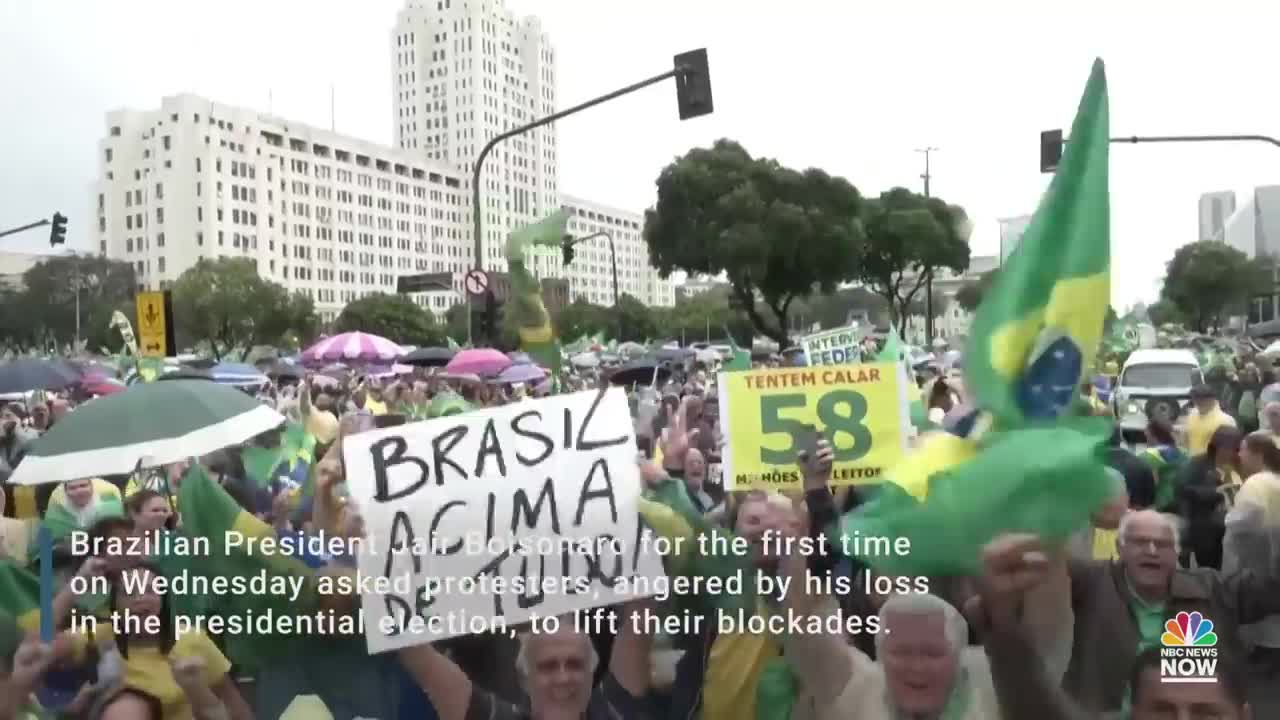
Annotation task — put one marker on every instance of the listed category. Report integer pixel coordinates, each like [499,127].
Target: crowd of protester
[1043,632]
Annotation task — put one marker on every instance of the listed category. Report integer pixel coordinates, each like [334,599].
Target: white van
[1154,382]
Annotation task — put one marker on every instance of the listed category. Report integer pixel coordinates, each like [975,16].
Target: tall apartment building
[590,274]
[1011,231]
[329,215]
[1215,208]
[463,72]
[1254,227]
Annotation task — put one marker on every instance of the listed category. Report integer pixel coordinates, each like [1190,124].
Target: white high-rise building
[328,215]
[1215,208]
[465,71]
[591,272]
[1011,230]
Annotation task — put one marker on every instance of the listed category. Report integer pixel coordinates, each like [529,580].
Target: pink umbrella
[105,386]
[478,361]
[357,346]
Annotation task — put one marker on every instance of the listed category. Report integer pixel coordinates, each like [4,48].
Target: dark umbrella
[285,371]
[429,357]
[26,374]
[674,354]
[639,372]
[186,373]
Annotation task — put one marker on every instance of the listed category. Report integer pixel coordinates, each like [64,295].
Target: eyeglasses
[1153,544]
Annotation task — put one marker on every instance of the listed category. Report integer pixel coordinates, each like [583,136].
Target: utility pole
[928,278]
[693,99]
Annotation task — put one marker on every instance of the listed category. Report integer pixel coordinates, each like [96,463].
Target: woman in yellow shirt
[157,665]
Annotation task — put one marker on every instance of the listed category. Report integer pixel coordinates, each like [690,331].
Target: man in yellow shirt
[1204,419]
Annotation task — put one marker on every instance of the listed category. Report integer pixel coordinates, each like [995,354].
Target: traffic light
[1050,150]
[58,230]
[693,84]
[490,317]
[567,249]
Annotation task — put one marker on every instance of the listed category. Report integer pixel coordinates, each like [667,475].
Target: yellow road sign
[153,324]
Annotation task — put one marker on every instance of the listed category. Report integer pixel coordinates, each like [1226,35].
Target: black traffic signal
[693,84]
[58,230]
[1050,150]
[567,249]
[490,316]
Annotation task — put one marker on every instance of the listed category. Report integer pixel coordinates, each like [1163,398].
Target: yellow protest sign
[769,416]
[155,324]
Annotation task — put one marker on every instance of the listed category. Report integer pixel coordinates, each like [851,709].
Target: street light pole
[569,241]
[928,278]
[477,220]
[28,226]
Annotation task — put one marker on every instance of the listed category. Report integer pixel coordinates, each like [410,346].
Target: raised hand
[816,470]
[1012,565]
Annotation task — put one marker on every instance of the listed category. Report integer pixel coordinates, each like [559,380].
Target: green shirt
[1150,619]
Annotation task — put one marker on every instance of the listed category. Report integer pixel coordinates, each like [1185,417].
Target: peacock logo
[1189,653]
[1189,630]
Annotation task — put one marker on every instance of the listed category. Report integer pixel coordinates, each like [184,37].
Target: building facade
[951,321]
[1011,230]
[464,71]
[1214,210]
[13,265]
[590,275]
[331,216]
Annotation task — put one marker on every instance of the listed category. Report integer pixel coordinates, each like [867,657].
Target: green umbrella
[148,425]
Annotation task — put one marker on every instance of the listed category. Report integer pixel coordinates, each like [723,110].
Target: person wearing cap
[1205,418]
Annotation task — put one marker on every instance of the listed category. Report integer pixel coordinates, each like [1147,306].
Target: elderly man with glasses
[1121,605]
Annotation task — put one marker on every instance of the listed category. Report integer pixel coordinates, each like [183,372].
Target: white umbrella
[585,360]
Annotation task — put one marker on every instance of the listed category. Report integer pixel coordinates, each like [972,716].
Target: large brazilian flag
[1021,461]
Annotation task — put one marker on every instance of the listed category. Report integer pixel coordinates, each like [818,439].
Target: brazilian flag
[1020,462]
[537,336]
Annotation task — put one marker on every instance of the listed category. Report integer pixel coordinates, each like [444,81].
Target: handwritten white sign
[497,517]
[841,346]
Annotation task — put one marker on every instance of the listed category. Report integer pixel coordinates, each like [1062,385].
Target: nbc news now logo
[1189,652]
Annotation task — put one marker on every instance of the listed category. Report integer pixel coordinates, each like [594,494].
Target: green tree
[1163,312]
[580,318]
[909,238]
[632,320]
[42,313]
[970,295]
[395,317]
[1207,281]
[705,316]
[776,233]
[226,303]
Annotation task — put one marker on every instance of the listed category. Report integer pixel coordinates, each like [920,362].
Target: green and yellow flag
[1040,324]
[537,336]
[1020,462]
[20,595]
[741,359]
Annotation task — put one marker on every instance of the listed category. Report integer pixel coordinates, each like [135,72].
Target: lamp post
[566,246]
[928,278]
[693,95]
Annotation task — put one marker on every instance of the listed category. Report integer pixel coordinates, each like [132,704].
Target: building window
[115,130]
[166,142]
[159,215]
[197,164]
[108,152]
[159,191]
[128,244]
[199,238]
[159,239]
[220,239]
[160,264]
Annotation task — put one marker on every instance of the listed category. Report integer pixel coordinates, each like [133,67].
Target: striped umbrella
[357,346]
[148,425]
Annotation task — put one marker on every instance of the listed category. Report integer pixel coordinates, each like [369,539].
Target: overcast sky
[845,85]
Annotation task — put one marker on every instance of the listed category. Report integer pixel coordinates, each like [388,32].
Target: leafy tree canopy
[41,312]
[225,302]
[909,238]
[776,233]
[1206,281]
[395,317]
